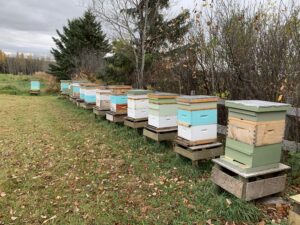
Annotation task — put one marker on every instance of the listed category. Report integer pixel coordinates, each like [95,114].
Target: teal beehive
[35,85]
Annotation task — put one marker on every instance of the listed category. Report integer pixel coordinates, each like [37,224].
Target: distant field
[15,84]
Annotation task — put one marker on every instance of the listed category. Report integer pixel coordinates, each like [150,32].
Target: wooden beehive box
[162,110]
[103,99]
[197,118]
[64,86]
[90,93]
[35,85]
[138,104]
[255,133]
[75,88]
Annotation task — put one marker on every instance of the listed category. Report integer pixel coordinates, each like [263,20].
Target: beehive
[64,86]
[162,110]
[197,118]
[75,88]
[103,98]
[138,104]
[82,88]
[255,133]
[35,85]
[90,93]
[118,98]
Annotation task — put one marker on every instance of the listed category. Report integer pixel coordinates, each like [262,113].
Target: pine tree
[81,36]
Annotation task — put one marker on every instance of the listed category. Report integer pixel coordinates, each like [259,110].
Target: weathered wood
[227,182]
[166,129]
[160,136]
[135,124]
[265,187]
[248,189]
[99,112]
[32,92]
[256,133]
[87,106]
[188,143]
[281,167]
[200,154]
[115,118]
[294,218]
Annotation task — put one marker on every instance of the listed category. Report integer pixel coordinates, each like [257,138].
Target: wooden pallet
[115,118]
[160,134]
[199,152]
[99,112]
[135,123]
[188,143]
[73,100]
[86,106]
[31,92]
[249,186]
[294,214]
[78,101]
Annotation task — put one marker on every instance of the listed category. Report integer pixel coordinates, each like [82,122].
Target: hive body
[255,133]
[197,118]
[162,110]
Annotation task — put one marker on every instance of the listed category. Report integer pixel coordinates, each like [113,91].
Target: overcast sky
[28,25]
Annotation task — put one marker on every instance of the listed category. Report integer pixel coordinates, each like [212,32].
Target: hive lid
[162,95]
[139,92]
[257,105]
[197,98]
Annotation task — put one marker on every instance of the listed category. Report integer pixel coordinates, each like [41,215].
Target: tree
[142,23]
[79,48]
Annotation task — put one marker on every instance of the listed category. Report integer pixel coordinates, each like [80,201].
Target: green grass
[58,162]
[15,84]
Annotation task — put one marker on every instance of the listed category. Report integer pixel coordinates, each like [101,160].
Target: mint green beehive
[255,114]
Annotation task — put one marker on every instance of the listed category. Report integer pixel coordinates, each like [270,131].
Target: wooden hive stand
[135,123]
[294,214]
[160,134]
[252,185]
[197,152]
[86,106]
[115,118]
[34,92]
[79,101]
[73,100]
[98,112]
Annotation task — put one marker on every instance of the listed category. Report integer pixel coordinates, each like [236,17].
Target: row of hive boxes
[255,132]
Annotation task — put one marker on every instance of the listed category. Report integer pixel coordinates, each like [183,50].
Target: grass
[60,166]
[15,84]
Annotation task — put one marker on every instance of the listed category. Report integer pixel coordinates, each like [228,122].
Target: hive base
[199,152]
[98,112]
[249,186]
[135,123]
[160,134]
[31,92]
[115,118]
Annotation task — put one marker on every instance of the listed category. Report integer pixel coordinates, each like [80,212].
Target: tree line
[21,64]
[227,48]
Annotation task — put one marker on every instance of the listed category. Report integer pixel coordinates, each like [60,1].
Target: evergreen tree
[81,36]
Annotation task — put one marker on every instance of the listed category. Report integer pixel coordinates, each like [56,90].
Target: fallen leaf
[228,202]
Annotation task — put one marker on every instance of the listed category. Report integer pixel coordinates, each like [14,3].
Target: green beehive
[255,134]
